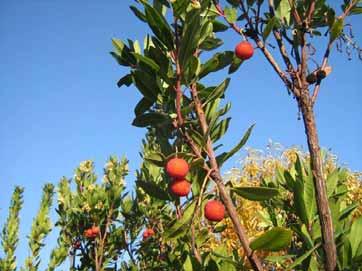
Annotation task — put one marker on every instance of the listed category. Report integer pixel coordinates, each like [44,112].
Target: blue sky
[60,103]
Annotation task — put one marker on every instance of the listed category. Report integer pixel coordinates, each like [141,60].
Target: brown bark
[324,211]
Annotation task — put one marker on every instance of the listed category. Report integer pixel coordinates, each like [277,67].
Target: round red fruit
[244,50]
[76,245]
[151,232]
[177,168]
[95,230]
[148,233]
[88,233]
[214,210]
[180,187]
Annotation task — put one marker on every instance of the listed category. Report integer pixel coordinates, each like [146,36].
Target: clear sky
[60,103]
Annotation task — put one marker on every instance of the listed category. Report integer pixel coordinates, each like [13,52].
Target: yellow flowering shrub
[258,165]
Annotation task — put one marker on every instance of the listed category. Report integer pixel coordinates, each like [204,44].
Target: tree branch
[216,177]
[259,43]
[327,52]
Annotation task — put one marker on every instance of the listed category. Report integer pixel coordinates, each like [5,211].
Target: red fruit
[88,233]
[145,234]
[244,50]
[214,210]
[95,230]
[177,168]
[148,233]
[76,244]
[151,232]
[180,187]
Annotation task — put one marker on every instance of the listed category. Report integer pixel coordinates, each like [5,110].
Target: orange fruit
[244,50]
[180,187]
[214,210]
[177,168]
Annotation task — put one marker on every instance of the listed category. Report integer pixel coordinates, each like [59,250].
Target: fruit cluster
[149,232]
[92,232]
[177,169]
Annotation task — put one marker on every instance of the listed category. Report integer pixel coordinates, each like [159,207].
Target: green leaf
[356,11]
[190,37]
[347,211]
[355,237]
[179,226]
[269,27]
[150,119]
[205,32]
[192,70]
[231,14]
[218,92]
[153,190]
[156,158]
[122,53]
[278,259]
[146,85]
[336,29]
[138,13]
[301,259]
[256,193]
[235,65]
[283,11]
[217,62]
[159,56]
[226,155]
[332,181]
[211,43]
[142,106]
[299,202]
[309,197]
[179,7]
[159,26]
[219,227]
[125,80]
[147,61]
[272,240]
[219,26]
[187,266]
[220,129]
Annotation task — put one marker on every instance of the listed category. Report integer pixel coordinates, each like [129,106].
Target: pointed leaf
[256,193]
[150,119]
[355,237]
[226,155]
[153,190]
[190,38]
[159,26]
[273,240]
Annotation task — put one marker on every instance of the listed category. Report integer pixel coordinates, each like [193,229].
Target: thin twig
[327,52]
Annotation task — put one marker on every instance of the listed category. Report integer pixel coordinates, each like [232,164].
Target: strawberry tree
[296,29]
[185,114]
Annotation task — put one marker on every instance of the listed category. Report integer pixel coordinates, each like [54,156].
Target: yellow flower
[61,199]
[86,207]
[99,205]
[91,187]
[251,169]
[109,166]
[86,166]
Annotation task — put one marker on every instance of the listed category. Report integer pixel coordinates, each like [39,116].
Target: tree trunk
[239,230]
[324,211]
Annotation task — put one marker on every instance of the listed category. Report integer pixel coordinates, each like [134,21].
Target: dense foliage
[293,211]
